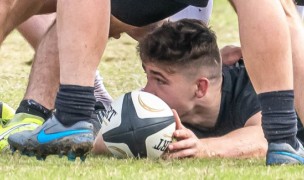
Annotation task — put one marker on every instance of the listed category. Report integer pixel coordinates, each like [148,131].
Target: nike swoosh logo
[42,137]
[12,129]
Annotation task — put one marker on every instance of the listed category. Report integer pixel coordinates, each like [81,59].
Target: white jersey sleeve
[192,12]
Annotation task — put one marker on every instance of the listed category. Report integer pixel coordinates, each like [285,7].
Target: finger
[181,154]
[182,134]
[178,122]
[180,145]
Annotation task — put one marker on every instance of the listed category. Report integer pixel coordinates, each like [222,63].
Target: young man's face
[175,89]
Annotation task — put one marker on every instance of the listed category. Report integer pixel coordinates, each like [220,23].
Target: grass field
[122,72]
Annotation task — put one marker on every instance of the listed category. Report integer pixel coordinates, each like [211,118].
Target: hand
[231,54]
[187,144]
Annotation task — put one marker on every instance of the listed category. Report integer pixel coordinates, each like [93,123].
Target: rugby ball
[138,124]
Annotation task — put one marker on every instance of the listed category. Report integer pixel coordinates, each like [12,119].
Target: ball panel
[151,131]
[137,142]
[129,113]
[125,132]
[119,150]
[112,118]
[126,138]
[147,105]
[158,142]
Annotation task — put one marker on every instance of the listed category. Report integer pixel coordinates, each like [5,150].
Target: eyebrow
[155,73]
[159,74]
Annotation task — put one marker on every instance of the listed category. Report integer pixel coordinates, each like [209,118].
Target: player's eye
[160,81]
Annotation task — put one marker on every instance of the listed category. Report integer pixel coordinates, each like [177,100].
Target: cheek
[179,100]
[170,99]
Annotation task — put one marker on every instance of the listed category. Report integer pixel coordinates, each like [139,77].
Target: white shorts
[301,11]
[192,12]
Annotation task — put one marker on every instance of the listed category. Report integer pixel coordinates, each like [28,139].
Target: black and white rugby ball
[138,124]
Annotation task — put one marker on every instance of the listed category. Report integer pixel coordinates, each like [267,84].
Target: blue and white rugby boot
[54,138]
[283,153]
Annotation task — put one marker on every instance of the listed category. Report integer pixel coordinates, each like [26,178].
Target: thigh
[48,7]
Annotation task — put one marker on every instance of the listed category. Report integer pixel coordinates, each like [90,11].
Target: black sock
[74,104]
[99,106]
[279,120]
[30,106]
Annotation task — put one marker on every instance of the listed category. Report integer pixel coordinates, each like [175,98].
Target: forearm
[231,54]
[245,142]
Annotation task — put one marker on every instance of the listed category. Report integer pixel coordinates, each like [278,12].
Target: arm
[231,54]
[244,142]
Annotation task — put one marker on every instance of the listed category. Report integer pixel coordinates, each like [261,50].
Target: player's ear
[202,87]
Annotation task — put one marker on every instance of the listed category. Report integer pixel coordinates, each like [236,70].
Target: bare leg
[266,48]
[44,77]
[82,31]
[297,39]
[281,62]
[14,12]
[35,28]
[80,47]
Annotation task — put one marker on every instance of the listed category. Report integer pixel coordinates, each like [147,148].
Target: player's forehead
[166,72]
[163,68]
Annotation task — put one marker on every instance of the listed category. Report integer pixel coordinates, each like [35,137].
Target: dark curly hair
[186,43]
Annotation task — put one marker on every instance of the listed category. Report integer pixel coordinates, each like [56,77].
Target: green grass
[121,69]
[17,167]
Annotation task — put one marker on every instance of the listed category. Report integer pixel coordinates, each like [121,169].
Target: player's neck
[206,110]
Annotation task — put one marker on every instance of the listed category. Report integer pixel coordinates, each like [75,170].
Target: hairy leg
[266,47]
[80,47]
[82,32]
[14,12]
[44,78]
[35,28]
[267,51]
[297,39]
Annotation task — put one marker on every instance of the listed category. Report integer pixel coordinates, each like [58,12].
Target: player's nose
[149,88]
